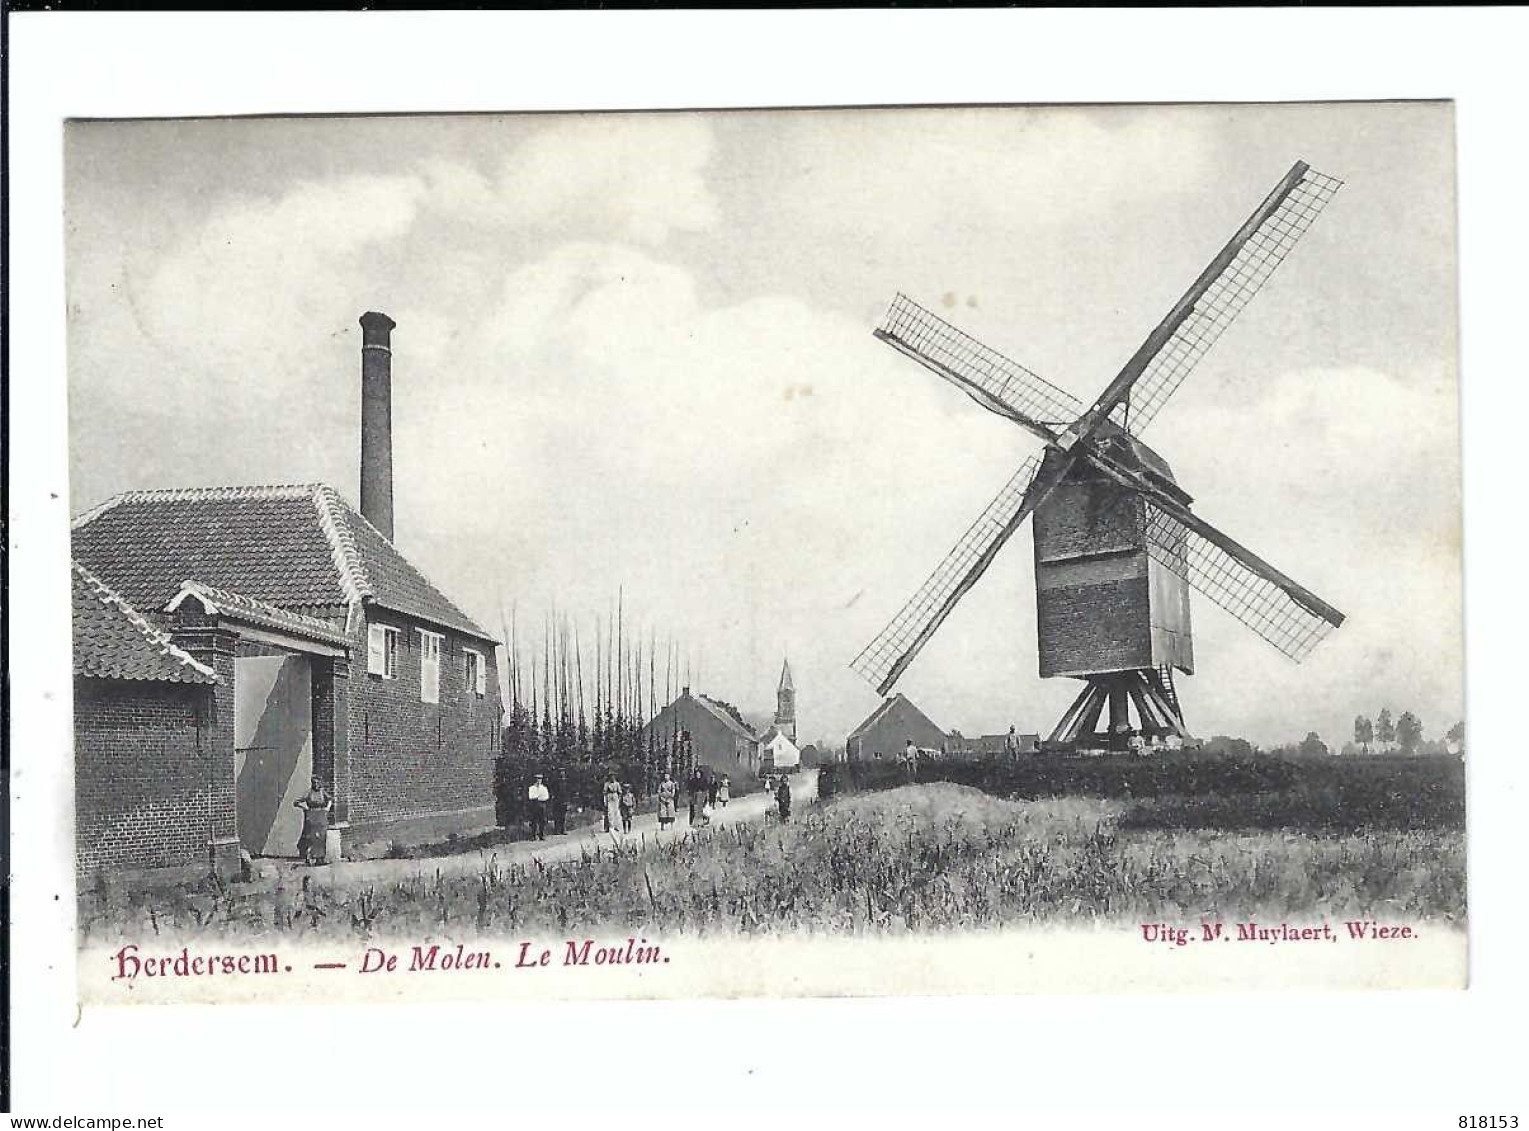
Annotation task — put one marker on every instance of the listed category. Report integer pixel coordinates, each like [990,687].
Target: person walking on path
[713,785]
[560,803]
[668,794]
[783,799]
[612,795]
[697,786]
[536,801]
[724,791]
[315,806]
[628,806]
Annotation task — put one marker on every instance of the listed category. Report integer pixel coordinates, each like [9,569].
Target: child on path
[628,806]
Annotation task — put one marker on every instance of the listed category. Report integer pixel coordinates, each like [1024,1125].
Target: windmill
[1116,545]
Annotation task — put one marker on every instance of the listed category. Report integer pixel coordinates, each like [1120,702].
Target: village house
[722,739]
[293,640]
[717,734]
[777,752]
[886,731]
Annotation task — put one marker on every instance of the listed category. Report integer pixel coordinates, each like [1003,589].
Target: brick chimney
[377,421]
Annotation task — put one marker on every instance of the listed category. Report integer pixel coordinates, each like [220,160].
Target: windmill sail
[987,376]
[883,660]
[1280,611]
[1262,250]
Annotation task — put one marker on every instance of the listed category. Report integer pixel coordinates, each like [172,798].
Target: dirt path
[804,788]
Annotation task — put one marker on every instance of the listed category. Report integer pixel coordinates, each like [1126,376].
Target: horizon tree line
[1404,733]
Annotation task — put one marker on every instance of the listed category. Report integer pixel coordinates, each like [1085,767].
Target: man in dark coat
[560,803]
[783,799]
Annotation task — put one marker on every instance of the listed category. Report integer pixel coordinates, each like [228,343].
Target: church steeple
[785,703]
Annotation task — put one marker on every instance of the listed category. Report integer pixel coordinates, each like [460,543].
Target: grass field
[928,857]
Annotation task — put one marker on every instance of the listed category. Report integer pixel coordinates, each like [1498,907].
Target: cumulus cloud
[262,277]
[631,178]
[938,169]
[259,268]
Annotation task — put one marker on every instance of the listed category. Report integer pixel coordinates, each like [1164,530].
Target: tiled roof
[886,705]
[726,717]
[775,732]
[395,583]
[296,547]
[236,606]
[112,640]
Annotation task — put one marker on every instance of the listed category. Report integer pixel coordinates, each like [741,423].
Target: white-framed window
[382,651]
[430,666]
[476,680]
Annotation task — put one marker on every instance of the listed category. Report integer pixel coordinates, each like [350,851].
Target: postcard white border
[1349,1052]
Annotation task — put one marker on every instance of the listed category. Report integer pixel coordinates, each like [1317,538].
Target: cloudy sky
[635,351]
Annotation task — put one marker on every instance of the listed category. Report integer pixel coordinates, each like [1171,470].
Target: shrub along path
[569,846]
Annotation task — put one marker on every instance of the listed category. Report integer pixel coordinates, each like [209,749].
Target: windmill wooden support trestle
[1114,696]
[1117,547]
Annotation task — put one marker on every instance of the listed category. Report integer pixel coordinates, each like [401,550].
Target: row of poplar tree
[1404,733]
[561,716]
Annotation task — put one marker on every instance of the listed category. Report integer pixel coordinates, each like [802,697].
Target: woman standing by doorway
[315,806]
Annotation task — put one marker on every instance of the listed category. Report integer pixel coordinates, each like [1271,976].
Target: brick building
[719,737]
[140,762]
[331,656]
[886,731]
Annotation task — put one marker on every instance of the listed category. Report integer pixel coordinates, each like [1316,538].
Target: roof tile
[112,640]
[296,547]
[236,606]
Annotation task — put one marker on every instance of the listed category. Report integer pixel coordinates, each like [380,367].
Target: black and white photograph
[542,554]
[751,565]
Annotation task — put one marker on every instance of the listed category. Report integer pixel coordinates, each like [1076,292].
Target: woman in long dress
[612,803]
[668,801]
[783,799]
[315,807]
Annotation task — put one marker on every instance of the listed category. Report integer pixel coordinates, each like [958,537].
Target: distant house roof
[290,546]
[112,640]
[882,711]
[726,715]
[781,748]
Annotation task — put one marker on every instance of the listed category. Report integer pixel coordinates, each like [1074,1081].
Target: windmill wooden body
[1117,547]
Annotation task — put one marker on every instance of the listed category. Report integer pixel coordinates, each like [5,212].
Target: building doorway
[273,750]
